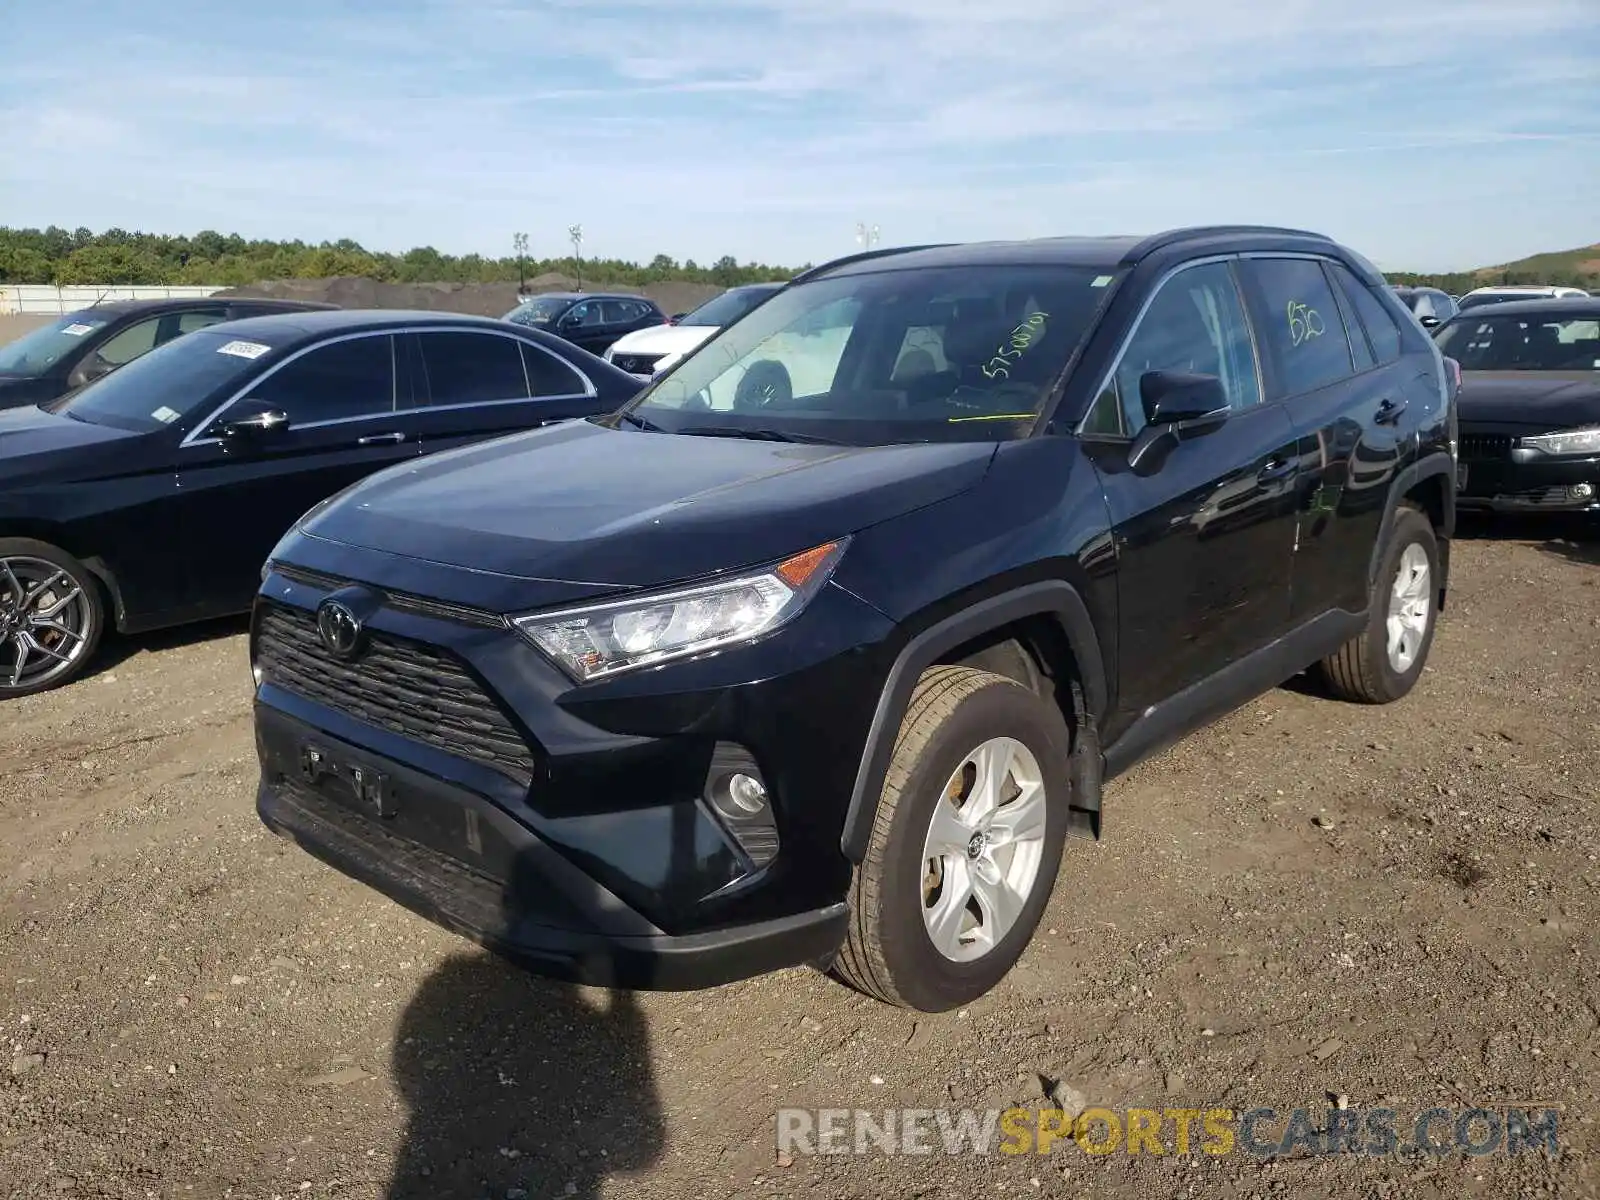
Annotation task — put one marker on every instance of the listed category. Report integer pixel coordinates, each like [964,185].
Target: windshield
[539,312]
[930,354]
[728,307]
[165,385]
[1550,342]
[35,353]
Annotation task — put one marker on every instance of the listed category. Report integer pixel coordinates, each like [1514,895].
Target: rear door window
[1298,323]
[472,368]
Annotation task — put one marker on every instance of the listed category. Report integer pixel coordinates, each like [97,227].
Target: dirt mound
[482,299]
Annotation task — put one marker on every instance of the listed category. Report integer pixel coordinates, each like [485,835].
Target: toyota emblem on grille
[339,628]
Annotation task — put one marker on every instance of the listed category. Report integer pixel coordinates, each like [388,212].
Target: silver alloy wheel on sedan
[1410,608]
[984,848]
[44,621]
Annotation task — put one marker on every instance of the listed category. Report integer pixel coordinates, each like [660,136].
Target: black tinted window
[351,378]
[1298,323]
[471,368]
[1382,332]
[549,375]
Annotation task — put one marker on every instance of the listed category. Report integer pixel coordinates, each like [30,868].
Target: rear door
[1204,541]
[345,422]
[1346,407]
[468,385]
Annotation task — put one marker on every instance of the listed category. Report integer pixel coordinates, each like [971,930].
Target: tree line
[60,256]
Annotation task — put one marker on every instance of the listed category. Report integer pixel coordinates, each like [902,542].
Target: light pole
[520,242]
[866,237]
[575,232]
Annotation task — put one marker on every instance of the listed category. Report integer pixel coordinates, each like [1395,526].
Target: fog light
[1581,491]
[738,796]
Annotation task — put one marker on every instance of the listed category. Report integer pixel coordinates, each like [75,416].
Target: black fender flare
[1437,462]
[1051,597]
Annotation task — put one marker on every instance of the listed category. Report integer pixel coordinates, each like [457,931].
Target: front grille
[417,691]
[1543,495]
[637,364]
[1480,447]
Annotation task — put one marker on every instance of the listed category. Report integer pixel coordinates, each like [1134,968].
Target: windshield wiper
[757,434]
[640,422]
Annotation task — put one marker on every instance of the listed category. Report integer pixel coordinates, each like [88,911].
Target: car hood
[1542,399]
[37,445]
[662,339]
[617,509]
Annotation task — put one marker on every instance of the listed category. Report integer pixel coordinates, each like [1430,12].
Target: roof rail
[864,256]
[1172,236]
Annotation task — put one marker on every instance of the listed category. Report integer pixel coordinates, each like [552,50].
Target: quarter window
[190,321]
[1195,324]
[549,375]
[1299,323]
[350,378]
[1382,331]
[472,368]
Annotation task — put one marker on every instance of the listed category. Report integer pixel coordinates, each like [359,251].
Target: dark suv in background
[818,650]
[587,319]
[79,347]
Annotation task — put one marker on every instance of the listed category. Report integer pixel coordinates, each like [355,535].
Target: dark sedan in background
[588,319]
[152,496]
[1530,405]
[79,347]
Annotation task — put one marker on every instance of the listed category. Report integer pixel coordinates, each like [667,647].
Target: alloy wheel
[45,621]
[983,851]
[1410,608]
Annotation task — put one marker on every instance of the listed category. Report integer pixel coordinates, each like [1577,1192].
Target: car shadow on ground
[118,648]
[519,1086]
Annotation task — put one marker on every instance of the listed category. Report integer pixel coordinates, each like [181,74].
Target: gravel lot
[1308,900]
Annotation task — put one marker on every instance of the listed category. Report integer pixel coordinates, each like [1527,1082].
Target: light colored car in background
[648,352]
[1478,297]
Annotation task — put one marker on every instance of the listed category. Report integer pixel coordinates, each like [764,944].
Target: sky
[1433,135]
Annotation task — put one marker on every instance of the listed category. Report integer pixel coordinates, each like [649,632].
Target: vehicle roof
[584,296]
[1582,306]
[118,308]
[321,322]
[1107,252]
[1510,289]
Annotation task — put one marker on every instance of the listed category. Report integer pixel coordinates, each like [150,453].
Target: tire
[1363,669]
[50,605]
[891,952]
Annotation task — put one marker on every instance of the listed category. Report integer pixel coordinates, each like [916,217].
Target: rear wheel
[1384,662]
[51,617]
[966,843]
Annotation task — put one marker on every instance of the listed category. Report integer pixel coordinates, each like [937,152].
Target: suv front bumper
[453,857]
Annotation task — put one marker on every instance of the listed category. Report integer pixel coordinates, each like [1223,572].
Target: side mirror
[676,317]
[1175,402]
[251,420]
[1429,322]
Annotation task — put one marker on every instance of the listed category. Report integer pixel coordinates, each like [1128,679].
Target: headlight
[1572,441]
[606,639]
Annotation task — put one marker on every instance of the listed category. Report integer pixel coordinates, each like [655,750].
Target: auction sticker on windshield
[166,415]
[78,330]
[243,349]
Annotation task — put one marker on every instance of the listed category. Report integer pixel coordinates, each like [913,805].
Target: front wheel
[51,617]
[965,845]
[1384,662]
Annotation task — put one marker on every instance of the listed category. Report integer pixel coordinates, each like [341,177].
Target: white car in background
[648,352]
[1478,297]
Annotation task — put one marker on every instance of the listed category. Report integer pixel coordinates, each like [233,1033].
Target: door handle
[1278,468]
[379,439]
[1389,412]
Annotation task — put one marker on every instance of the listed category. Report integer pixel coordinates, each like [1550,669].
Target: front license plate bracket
[369,787]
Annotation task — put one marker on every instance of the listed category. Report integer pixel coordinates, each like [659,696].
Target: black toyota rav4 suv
[819,649]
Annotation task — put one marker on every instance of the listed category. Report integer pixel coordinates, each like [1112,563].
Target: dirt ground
[1397,905]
